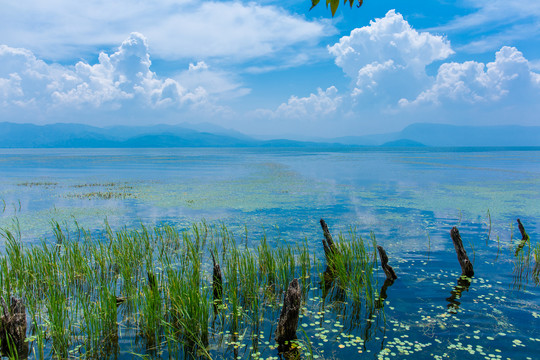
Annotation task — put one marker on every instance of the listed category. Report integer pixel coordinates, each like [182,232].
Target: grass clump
[153,285]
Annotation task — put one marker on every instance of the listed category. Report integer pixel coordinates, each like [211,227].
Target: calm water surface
[409,199]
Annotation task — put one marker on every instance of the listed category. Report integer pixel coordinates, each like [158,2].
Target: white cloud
[388,58]
[534,65]
[492,14]
[495,23]
[217,83]
[508,79]
[120,80]
[176,29]
[311,108]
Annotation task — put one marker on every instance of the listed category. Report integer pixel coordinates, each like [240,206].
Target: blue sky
[271,68]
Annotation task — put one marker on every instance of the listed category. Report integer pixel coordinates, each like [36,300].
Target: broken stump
[288,320]
[328,242]
[388,270]
[524,238]
[524,235]
[217,280]
[466,265]
[13,328]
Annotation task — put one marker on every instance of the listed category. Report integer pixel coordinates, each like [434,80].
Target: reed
[536,270]
[84,290]
[489,225]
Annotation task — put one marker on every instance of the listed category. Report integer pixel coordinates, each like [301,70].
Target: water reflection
[463,284]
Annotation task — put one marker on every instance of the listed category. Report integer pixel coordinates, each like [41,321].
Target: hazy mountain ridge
[453,136]
[14,135]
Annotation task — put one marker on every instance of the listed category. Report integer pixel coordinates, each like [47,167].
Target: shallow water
[410,199]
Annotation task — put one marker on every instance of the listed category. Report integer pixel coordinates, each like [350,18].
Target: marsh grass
[84,290]
[102,195]
[526,263]
[536,270]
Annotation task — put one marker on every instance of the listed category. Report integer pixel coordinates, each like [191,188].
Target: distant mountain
[403,143]
[14,135]
[453,136]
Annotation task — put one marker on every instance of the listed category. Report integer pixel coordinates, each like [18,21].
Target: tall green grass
[84,291]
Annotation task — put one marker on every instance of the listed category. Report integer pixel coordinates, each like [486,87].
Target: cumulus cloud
[313,107]
[217,83]
[508,78]
[177,29]
[388,57]
[122,79]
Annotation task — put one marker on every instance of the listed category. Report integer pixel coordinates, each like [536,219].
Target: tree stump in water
[288,320]
[328,242]
[217,280]
[524,237]
[13,328]
[466,265]
[388,270]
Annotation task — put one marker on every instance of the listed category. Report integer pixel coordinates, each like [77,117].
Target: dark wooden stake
[524,237]
[466,265]
[288,320]
[217,280]
[328,242]
[388,270]
[13,328]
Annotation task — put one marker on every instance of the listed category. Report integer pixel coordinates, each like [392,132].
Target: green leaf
[314,3]
[333,6]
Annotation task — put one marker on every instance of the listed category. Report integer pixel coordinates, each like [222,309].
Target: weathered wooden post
[524,237]
[388,270]
[13,328]
[328,242]
[288,320]
[217,280]
[466,265]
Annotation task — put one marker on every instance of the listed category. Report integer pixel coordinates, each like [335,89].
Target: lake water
[409,199]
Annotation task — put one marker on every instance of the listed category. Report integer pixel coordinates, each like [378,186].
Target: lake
[407,199]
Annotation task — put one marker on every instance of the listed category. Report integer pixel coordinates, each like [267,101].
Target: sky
[271,68]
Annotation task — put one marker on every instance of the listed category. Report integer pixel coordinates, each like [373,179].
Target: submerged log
[328,242]
[388,270]
[217,280]
[466,265]
[13,328]
[288,320]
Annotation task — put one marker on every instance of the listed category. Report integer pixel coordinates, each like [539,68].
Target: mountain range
[452,136]
[62,135]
